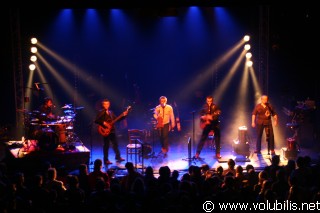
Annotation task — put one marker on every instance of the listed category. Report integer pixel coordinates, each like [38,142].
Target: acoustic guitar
[105,130]
[208,118]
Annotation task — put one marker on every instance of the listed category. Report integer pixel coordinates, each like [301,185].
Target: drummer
[47,110]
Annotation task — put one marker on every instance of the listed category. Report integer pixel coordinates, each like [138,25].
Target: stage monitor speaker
[241,146]
[241,149]
[289,154]
[242,134]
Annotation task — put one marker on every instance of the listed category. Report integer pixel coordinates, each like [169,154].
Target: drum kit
[54,132]
[298,116]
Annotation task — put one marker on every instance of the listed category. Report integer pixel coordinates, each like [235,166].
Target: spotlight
[247,47]
[34,41]
[33,58]
[34,49]
[32,67]
[249,63]
[246,38]
[248,55]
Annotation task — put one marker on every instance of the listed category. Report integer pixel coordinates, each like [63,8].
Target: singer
[262,119]
[164,114]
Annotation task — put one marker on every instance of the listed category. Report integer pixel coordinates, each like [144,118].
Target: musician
[104,119]
[47,110]
[209,121]
[164,115]
[261,119]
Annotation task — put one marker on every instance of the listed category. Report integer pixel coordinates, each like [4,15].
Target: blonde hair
[163,97]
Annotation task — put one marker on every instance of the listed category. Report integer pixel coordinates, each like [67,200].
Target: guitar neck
[120,116]
[116,119]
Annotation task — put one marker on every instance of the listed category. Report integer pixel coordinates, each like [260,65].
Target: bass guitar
[106,129]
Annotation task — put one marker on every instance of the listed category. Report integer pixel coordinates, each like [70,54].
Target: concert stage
[28,158]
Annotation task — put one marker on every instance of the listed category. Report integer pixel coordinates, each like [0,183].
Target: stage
[26,157]
[180,159]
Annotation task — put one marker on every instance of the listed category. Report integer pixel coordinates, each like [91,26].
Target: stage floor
[178,155]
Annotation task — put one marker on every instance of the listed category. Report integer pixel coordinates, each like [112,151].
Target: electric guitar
[208,118]
[106,129]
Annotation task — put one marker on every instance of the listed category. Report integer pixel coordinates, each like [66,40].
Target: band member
[164,115]
[209,121]
[47,110]
[105,119]
[261,118]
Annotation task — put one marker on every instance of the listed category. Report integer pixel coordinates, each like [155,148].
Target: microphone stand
[153,154]
[189,158]
[90,125]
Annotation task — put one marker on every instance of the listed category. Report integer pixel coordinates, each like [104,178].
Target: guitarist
[209,121]
[104,118]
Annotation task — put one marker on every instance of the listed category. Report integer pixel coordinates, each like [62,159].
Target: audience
[170,191]
[96,174]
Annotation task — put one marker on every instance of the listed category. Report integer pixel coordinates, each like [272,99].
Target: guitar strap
[106,115]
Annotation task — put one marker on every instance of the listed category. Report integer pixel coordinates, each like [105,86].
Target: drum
[61,132]
[66,119]
[48,140]
[291,144]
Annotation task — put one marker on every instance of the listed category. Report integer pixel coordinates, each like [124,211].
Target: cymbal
[68,111]
[67,106]
[79,108]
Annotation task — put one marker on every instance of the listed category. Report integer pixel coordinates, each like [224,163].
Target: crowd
[51,190]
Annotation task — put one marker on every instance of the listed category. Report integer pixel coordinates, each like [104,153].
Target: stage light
[249,63]
[246,38]
[34,49]
[247,47]
[33,58]
[32,67]
[34,40]
[248,55]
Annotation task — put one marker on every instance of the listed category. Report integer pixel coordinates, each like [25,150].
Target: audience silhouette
[168,191]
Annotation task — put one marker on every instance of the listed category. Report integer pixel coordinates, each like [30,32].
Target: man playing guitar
[105,119]
[209,121]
